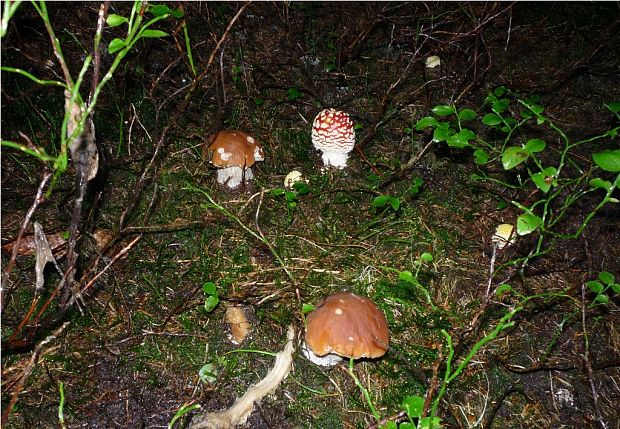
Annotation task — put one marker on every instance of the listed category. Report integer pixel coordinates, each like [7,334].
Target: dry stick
[28,370]
[38,199]
[586,360]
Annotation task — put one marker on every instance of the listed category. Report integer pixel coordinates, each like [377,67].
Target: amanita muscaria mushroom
[333,134]
[233,153]
[345,325]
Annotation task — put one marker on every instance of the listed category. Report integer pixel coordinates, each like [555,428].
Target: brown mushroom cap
[333,131]
[348,325]
[229,148]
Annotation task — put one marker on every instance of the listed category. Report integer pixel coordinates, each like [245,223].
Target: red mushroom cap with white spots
[332,131]
[348,325]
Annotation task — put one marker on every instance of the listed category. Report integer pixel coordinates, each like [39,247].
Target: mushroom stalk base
[335,159]
[233,176]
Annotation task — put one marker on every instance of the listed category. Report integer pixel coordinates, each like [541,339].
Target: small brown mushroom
[346,325]
[334,135]
[233,153]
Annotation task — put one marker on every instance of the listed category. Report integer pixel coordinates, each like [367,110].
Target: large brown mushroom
[334,135]
[346,325]
[233,153]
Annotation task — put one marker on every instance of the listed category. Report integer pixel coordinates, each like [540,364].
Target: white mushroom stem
[328,360]
[242,408]
[335,159]
[233,176]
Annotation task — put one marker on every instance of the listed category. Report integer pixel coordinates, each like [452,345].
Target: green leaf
[177,13]
[606,277]
[527,223]
[513,156]
[539,180]
[153,34]
[491,119]
[159,10]
[601,299]
[503,289]
[209,288]
[211,302]
[597,182]
[615,287]
[426,122]
[429,422]
[595,286]
[395,203]
[467,115]
[499,91]
[608,160]
[500,106]
[406,425]
[405,276]
[302,188]
[277,192]
[426,257]
[534,146]
[392,425]
[413,406]
[208,373]
[614,107]
[443,110]
[116,45]
[442,132]
[114,20]
[461,139]
[307,308]
[381,201]
[480,157]
[294,94]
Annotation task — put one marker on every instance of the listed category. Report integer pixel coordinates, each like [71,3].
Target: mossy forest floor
[132,352]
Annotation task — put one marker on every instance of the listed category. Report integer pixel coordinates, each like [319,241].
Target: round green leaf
[307,308]
[606,277]
[527,223]
[426,257]
[513,156]
[114,20]
[491,119]
[426,122]
[540,180]
[614,106]
[116,45]
[601,299]
[443,110]
[595,286]
[608,160]
[442,132]
[413,405]
[480,157]
[467,115]
[535,145]
[405,276]
[429,422]
[209,288]
[615,287]
[597,182]
[211,302]
[500,106]
[503,289]
[381,201]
